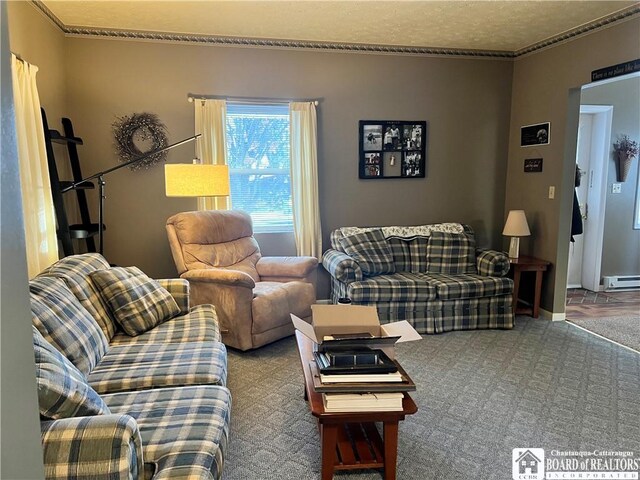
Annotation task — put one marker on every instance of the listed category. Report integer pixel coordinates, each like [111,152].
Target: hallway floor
[583,303]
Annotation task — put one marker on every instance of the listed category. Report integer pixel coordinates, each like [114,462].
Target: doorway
[585,253]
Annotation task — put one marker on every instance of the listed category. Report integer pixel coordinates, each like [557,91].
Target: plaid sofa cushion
[449,287]
[400,286]
[199,325]
[395,231]
[62,390]
[184,430]
[451,253]
[65,323]
[409,255]
[141,366]
[137,302]
[371,251]
[179,289]
[74,270]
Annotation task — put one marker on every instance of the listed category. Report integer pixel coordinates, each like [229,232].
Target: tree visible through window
[259,158]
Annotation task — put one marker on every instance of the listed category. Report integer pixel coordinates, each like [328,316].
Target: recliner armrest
[296,268]
[221,276]
[492,263]
[341,266]
[105,447]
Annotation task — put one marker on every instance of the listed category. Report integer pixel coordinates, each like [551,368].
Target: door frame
[594,235]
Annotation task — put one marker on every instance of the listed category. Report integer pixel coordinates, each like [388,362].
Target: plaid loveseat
[414,287]
[114,406]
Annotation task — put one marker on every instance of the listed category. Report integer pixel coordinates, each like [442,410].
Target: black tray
[357,361]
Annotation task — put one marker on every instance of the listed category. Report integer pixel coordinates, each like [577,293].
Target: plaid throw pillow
[136,302]
[66,324]
[63,391]
[371,250]
[451,253]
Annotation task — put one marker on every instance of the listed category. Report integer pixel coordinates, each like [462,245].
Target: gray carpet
[480,394]
[624,330]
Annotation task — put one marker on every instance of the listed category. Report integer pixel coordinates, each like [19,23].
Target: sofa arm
[492,263]
[179,290]
[105,447]
[283,269]
[341,266]
[234,278]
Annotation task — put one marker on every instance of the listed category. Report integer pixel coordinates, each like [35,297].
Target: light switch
[552,192]
[616,188]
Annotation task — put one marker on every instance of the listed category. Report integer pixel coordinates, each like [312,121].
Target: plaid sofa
[431,302]
[153,406]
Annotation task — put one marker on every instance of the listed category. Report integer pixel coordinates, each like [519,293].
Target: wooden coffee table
[351,441]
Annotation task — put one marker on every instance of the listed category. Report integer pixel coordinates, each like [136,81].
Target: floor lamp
[101,183]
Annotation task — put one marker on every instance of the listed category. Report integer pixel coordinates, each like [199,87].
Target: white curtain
[304,179]
[211,120]
[37,203]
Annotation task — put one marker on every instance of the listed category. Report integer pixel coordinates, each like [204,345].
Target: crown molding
[598,24]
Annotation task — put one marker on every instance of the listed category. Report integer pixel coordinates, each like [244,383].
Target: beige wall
[540,93]
[40,42]
[465,102]
[621,243]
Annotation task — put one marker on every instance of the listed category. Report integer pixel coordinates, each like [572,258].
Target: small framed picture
[392,137]
[392,149]
[372,164]
[412,165]
[538,134]
[532,165]
[412,137]
[372,138]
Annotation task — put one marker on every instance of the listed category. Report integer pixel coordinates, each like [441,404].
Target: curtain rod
[192,97]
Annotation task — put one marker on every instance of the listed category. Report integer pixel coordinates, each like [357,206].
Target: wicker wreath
[145,127]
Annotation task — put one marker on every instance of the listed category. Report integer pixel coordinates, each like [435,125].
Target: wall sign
[616,70]
[532,165]
[392,149]
[538,134]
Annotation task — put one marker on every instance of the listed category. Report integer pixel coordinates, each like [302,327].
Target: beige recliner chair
[253,295]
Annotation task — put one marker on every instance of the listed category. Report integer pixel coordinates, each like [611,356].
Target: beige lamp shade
[195,180]
[516,225]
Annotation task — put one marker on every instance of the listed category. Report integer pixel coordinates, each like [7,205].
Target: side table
[527,264]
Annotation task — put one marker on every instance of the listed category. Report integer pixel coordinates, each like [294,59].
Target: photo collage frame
[392,149]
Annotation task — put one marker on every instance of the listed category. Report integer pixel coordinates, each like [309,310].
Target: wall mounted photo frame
[537,134]
[533,165]
[392,149]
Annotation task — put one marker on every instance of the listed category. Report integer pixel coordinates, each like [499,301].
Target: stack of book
[363,402]
[361,380]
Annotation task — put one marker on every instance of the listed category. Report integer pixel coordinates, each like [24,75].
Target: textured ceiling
[483,25]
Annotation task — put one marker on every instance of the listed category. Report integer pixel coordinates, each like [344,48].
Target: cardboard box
[328,320]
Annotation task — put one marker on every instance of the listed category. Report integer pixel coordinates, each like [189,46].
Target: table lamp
[516,227]
[196,180]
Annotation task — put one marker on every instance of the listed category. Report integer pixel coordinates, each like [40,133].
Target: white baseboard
[323,302]
[574,285]
[554,317]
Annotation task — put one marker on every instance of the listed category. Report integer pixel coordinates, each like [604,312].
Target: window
[258,154]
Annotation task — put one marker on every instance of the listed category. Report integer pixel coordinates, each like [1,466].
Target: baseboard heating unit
[621,281]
